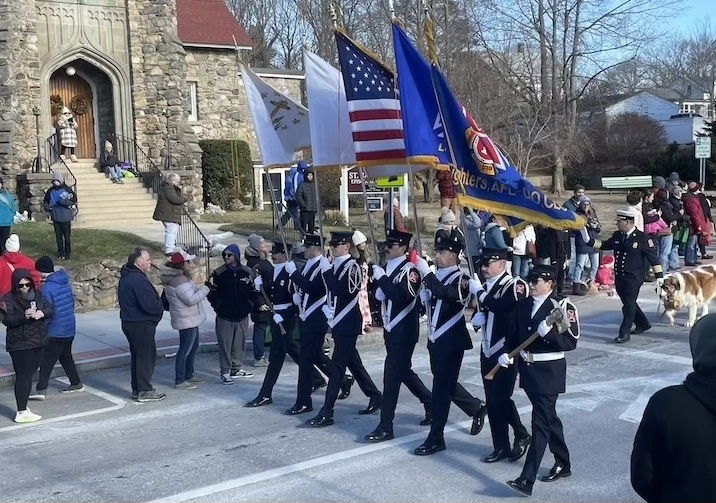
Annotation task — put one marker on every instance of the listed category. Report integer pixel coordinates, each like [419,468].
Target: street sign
[375,203]
[390,182]
[703,147]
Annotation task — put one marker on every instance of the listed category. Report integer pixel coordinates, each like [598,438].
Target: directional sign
[354,183]
[390,182]
[703,147]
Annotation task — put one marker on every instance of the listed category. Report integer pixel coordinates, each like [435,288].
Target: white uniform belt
[281,307]
[541,357]
[305,313]
[346,309]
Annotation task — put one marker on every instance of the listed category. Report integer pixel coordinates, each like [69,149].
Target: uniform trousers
[628,291]
[398,370]
[445,362]
[310,355]
[546,430]
[345,355]
[501,409]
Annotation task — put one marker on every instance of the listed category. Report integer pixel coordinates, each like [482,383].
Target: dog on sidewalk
[692,289]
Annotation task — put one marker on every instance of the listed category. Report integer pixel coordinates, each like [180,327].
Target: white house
[643,103]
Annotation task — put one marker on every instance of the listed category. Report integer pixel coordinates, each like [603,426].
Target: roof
[278,73]
[209,23]
[665,93]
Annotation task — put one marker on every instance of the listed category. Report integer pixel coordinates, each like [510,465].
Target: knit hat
[45,264]
[58,176]
[255,241]
[359,238]
[677,191]
[693,186]
[108,145]
[584,200]
[13,243]
[447,216]
[703,345]
[234,249]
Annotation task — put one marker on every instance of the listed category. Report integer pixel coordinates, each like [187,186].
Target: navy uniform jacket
[281,291]
[547,374]
[498,305]
[448,298]
[400,305]
[343,284]
[312,292]
[630,252]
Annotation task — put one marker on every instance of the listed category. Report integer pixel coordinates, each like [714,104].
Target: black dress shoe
[557,472]
[319,421]
[346,387]
[379,435]
[318,385]
[259,401]
[429,447]
[520,448]
[521,485]
[478,420]
[622,338]
[495,456]
[298,409]
[373,405]
[640,330]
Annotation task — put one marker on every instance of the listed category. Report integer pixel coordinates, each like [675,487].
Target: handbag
[531,249]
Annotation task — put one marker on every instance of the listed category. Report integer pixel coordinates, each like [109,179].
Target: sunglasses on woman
[24,285]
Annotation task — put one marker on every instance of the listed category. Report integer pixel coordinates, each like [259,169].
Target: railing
[58,165]
[190,237]
[293,235]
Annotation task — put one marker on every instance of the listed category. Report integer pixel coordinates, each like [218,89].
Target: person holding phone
[26,313]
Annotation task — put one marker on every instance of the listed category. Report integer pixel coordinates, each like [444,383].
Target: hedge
[220,186]
[329,186]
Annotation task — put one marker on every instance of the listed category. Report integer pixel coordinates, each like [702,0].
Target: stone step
[105,182]
[109,198]
[121,216]
[111,223]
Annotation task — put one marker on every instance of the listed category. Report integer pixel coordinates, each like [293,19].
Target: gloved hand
[660,282]
[379,295]
[297,299]
[325,264]
[290,267]
[479,320]
[504,360]
[425,295]
[327,311]
[543,328]
[475,285]
[278,319]
[210,285]
[423,267]
[378,272]
[585,235]
[258,282]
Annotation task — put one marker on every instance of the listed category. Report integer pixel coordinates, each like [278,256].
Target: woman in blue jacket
[8,208]
[60,328]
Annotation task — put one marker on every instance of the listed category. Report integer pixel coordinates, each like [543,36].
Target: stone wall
[31,189]
[19,85]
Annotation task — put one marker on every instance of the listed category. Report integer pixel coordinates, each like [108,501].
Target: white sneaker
[38,395]
[73,158]
[237,374]
[26,416]
[226,379]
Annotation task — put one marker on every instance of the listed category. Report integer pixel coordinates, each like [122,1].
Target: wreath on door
[79,105]
[56,104]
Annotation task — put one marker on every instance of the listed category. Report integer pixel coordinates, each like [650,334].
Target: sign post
[702,149]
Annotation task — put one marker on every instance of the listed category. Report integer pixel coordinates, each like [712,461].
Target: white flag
[281,124]
[331,137]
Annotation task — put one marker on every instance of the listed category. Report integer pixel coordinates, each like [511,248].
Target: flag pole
[274,205]
[370,218]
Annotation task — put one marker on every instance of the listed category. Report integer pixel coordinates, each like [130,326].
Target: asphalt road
[204,445]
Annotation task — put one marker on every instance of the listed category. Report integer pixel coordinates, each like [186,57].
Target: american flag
[373,105]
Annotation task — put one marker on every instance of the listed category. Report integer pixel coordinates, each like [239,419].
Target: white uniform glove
[378,272]
[585,235]
[504,360]
[325,264]
[659,282]
[327,311]
[423,267]
[379,295]
[479,320]
[278,319]
[290,267]
[258,282]
[425,295]
[543,329]
[297,299]
[475,285]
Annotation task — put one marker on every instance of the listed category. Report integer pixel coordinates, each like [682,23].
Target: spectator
[473,238]
[553,249]
[494,238]
[294,179]
[446,187]
[672,181]
[307,203]
[398,220]
[60,329]
[698,226]
[169,209]
[186,309]
[67,129]
[523,249]
[140,309]
[26,313]
[233,298]
[668,253]
[13,259]
[583,251]
[681,232]
[572,203]
[447,220]
[8,208]
[634,201]
[707,236]
[256,255]
[673,460]
[659,182]
[110,164]
[654,225]
[60,202]
[359,251]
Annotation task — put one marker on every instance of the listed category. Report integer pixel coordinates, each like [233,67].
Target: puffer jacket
[57,290]
[8,208]
[306,196]
[186,299]
[9,262]
[23,333]
[61,203]
[169,203]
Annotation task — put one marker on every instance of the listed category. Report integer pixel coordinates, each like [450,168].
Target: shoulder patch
[520,288]
[650,242]
[635,245]
[413,276]
[571,315]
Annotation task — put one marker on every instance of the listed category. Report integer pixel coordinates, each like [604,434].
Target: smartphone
[33,304]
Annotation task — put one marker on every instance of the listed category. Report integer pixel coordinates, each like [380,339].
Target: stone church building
[132,66]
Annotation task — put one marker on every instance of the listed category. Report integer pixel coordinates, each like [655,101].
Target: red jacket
[15,260]
[692,207]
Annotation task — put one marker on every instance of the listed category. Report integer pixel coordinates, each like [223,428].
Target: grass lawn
[88,245]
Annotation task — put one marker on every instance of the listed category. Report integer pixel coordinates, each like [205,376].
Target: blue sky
[693,13]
